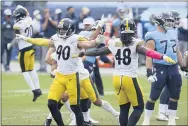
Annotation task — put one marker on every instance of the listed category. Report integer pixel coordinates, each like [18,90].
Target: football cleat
[87,123]
[36,94]
[93,121]
[161,117]
[47,122]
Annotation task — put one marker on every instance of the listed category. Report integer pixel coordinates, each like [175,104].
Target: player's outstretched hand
[168,59]
[100,39]
[101,23]
[21,37]
[152,78]
[52,74]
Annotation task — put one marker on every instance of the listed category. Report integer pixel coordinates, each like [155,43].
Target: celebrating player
[164,41]
[125,50]
[23,26]
[67,44]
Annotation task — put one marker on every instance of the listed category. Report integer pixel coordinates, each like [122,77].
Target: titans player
[164,74]
[125,50]
[164,98]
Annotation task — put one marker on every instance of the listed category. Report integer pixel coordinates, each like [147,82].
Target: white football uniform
[126,58]
[65,49]
[26,29]
[83,73]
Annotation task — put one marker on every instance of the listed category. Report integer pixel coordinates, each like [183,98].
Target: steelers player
[88,91]
[26,57]
[125,51]
[67,44]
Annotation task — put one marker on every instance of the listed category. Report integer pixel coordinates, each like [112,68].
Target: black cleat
[87,123]
[36,94]
[47,122]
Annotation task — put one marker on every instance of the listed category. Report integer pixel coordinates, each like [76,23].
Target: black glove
[149,72]
[184,69]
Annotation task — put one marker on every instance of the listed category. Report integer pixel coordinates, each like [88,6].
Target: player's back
[126,57]
[25,28]
[65,49]
[165,43]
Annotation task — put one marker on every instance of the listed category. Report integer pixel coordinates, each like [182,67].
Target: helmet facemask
[64,31]
[169,24]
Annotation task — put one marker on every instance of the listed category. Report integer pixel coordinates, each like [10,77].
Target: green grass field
[18,108]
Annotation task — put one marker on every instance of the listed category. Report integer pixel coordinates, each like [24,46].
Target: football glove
[21,37]
[185,74]
[52,74]
[184,69]
[168,59]
[151,77]
[101,23]
[9,45]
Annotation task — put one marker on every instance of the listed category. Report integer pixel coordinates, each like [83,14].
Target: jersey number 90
[126,60]
[63,52]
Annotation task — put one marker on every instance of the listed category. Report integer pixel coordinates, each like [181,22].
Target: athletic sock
[67,104]
[161,108]
[29,81]
[105,105]
[86,116]
[172,109]
[35,78]
[124,114]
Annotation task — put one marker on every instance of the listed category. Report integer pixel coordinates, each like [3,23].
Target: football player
[26,56]
[163,74]
[164,98]
[88,91]
[125,51]
[67,77]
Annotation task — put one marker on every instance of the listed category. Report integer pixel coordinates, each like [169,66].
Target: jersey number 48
[125,59]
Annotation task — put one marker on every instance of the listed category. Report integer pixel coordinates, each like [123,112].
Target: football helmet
[164,20]
[20,13]
[65,28]
[176,16]
[127,30]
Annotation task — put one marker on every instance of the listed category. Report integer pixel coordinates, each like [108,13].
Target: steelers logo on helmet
[165,21]
[65,28]
[127,31]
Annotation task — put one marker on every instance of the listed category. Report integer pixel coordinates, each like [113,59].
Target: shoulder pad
[81,38]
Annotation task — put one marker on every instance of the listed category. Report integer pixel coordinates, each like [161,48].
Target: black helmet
[176,16]
[19,14]
[127,30]
[164,20]
[94,27]
[65,28]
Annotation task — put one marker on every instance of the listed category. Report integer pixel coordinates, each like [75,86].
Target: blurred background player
[7,35]
[23,26]
[49,25]
[70,13]
[164,97]
[58,14]
[163,74]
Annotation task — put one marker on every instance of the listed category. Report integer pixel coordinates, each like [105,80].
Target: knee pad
[84,104]
[52,103]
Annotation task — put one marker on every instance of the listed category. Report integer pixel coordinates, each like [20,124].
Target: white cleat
[93,121]
[145,123]
[177,118]
[161,117]
[72,123]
